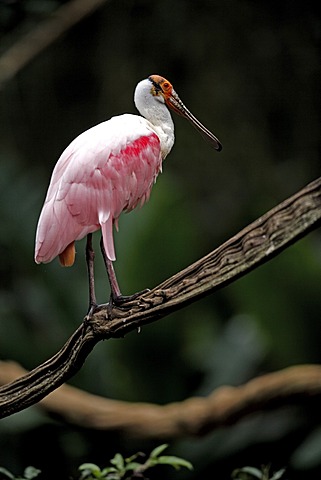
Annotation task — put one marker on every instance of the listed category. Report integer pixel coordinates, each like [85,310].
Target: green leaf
[89,469]
[158,450]
[6,473]
[107,470]
[132,466]
[113,475]
[278,474]
[89,466]
[245,472]
[31,472]
[133,457]
[175,462]
[118,461]
[248,473]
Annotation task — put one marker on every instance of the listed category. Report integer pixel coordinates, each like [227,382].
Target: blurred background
[250,71]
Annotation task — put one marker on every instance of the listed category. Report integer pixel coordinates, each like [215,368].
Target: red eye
[166,86]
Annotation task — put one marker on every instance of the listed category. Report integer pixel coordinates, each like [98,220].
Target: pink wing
[106,170]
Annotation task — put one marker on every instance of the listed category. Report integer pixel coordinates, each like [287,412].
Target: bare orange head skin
[161,86]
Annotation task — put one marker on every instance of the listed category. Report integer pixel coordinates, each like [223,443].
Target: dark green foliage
[28,474]
[251,473]
[132,467]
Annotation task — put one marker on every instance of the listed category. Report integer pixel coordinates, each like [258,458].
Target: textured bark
[254,245]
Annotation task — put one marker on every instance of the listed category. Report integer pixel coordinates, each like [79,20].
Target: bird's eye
[166,86]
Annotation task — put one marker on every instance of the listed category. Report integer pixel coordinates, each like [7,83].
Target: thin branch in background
[43,35]
[195,416]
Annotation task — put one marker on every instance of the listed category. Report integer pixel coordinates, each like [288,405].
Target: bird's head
[163,90]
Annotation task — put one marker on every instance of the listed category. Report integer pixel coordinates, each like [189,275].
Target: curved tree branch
[195,416]
[251,247]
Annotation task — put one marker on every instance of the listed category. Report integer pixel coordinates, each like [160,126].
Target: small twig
[254,245]
[43,35]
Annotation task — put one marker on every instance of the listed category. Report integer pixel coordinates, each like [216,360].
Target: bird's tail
[67,257]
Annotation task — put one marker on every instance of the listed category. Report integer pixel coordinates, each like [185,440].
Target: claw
[120,299]
[91,310]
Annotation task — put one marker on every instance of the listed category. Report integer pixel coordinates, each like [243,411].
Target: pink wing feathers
[106,170]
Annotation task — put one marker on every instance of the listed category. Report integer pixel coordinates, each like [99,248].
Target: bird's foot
[115,301]
[119,300]
[91,310]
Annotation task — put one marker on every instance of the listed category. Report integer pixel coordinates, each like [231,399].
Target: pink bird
[109,169]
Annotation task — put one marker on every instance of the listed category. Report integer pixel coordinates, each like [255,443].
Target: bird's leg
[90,256]
[116,297]
[114,287]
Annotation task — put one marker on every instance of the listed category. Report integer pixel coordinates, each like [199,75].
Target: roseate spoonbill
[106,170]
